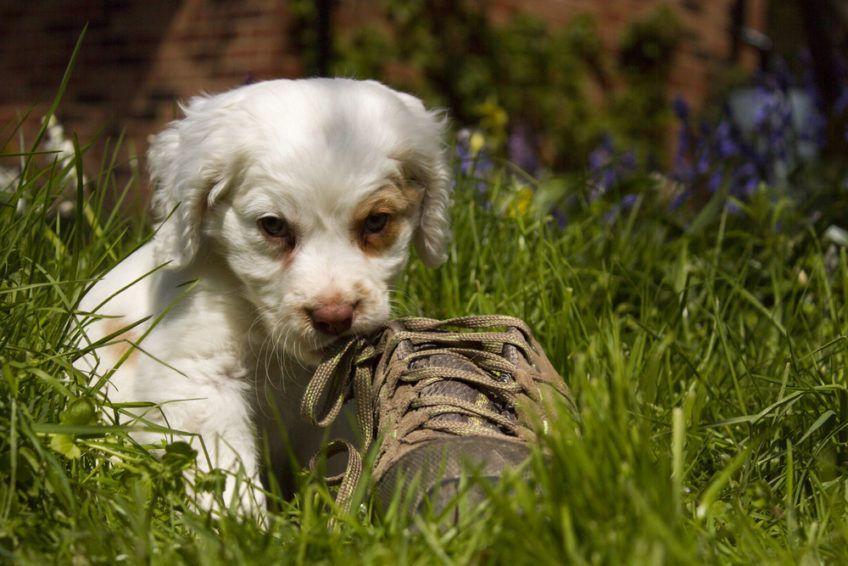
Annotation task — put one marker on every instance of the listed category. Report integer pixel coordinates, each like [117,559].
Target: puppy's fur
[229,342]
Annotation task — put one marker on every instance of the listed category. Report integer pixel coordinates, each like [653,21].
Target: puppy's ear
[427,166]
[189,172]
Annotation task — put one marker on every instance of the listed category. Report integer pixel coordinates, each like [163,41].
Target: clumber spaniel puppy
[286,210]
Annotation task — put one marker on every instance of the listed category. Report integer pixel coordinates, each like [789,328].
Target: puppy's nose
[333,318]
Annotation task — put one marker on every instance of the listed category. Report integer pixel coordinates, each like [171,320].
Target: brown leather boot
[446,399]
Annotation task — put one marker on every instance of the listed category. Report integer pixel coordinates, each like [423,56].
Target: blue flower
[520,148]
[745,181]
[559,217]
[608,168]
[601,155]
[725,139]
[715,181]
[478,165]
[628,201]
[627,163]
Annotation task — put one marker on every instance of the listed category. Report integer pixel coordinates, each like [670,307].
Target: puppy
[286,210]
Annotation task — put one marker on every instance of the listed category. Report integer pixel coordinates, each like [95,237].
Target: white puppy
[290,205]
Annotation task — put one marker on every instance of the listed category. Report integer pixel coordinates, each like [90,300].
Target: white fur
[234,348]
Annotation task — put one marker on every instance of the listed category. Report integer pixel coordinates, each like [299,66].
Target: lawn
[706,353]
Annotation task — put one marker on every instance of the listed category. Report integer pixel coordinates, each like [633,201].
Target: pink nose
[332,318]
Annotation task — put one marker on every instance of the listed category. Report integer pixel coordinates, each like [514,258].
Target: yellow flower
[494,120]
[520,204]
[476,143]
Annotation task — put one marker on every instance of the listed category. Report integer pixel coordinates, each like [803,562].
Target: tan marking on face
[121,343]
[287,258]
[399,202]
[362,293]
[284,246]
[360,289]
[284,253]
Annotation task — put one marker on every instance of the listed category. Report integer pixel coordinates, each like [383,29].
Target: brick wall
[140,57]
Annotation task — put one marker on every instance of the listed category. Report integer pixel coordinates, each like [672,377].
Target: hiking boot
[447,399]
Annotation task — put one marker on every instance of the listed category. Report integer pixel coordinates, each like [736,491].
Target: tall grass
[708,362]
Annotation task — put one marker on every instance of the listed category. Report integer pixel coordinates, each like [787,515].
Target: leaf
[79,412]
[817,425]
[179,455]
[64,445]
[712,209]
[721,479]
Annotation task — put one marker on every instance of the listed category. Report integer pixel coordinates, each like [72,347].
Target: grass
[707,358]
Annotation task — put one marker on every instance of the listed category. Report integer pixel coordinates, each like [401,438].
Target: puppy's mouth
[326,346]
[330,345]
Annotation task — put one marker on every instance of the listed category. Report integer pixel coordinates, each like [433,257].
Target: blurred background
[714,93]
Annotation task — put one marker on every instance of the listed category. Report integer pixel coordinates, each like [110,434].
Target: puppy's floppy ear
[427,166]
[190,168]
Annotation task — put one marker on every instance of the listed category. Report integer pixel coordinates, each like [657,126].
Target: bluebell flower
[679,199]
[766,103]
[463,152]
[611,214]
[628,200]
[601,155]
[731,207]
[627,163]
[559,217]
[608,168]
[746,179]
[681,169]
[715,181]
[521,151]
[479,165]
[705,162]
[725,138]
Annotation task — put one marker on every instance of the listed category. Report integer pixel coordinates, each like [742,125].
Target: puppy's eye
[277,228]
[375,223]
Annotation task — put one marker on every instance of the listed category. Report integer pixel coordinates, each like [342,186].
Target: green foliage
[558,84]
[647,49]
[646,54]
[303,36]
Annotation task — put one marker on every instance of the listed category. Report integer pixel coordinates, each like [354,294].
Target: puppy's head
[310,192]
